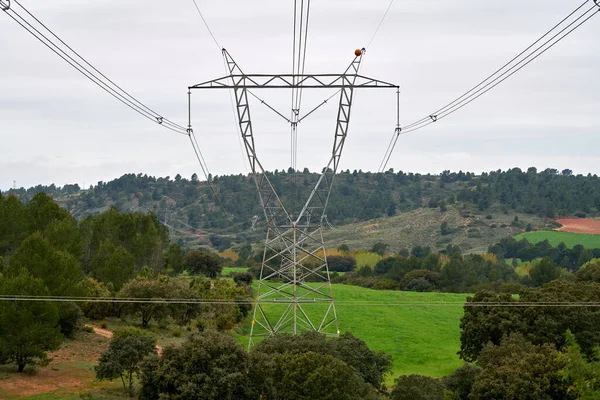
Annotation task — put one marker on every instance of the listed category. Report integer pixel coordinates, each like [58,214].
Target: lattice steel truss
[294,291]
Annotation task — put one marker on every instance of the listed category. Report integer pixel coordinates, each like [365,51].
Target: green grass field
[230,270]
[570,239]
[422,338]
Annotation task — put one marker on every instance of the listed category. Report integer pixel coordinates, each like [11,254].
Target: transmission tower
[294,290]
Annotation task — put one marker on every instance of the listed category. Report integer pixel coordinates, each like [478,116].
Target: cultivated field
[569,238]
[579,225]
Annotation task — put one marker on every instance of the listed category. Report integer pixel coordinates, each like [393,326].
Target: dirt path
[108,334]
[70,371]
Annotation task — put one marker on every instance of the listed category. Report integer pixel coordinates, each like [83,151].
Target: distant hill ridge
[190,204]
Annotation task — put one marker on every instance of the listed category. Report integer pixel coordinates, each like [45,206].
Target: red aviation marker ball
[358,52]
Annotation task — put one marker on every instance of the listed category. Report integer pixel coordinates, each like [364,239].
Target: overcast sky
[57,127]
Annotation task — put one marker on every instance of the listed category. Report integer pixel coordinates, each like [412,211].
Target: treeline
[571,259]
[356,195]
[44,251]
[422,270]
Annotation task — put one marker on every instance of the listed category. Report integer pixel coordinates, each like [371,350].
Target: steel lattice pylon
[294,290]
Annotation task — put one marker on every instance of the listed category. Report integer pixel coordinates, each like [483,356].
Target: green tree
[480,325]
[155,289]
[65,235]
[174,258]
[445,228]
[590,271]
[417,387]
[42,211]
[461,380]
[544,272]
[13,228]
[127,348]
[96,310]
[28,329]
[113,264]
[379,248]
[519,370]
[207,366]
[199,262]
[372,366]
[581,373]
[184,313]
[310,375]
[59,270]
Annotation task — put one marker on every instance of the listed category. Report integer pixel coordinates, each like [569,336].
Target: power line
[207,27]
[380,24]
[92,73]
[488,83]
[354,303]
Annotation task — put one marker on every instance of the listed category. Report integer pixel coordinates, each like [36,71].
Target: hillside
[398,208]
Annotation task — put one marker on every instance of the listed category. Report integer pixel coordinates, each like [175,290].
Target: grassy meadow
[555,238]
[421,334]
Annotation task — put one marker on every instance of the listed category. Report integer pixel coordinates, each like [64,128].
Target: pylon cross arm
[289,81]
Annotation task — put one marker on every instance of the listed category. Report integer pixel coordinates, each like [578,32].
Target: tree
[480,325]
[544,272]
[28,329]
[174,258]
[154,289]
[96,310]
[199,262]
[417,387]
[65,235]
[13,228]
[127,348]
[461,380]
[310,375]
[184,313]
[341,263]
[445,228]
[371,366]
[42,210]
[113,264]
[379,248]
[590,271]
[59,270]
[519,370]
[581,373]
[207,366]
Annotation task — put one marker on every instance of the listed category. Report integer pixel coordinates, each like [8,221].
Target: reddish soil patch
[579,225]
[70,370]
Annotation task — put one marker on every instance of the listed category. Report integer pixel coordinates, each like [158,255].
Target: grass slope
[570,239]
[422,338]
